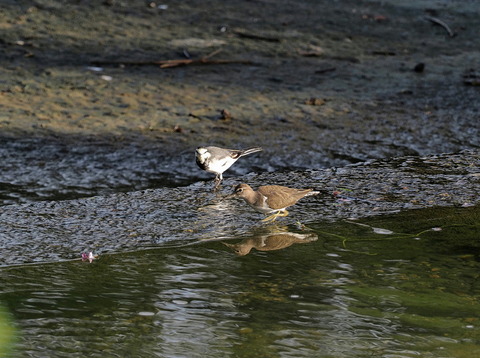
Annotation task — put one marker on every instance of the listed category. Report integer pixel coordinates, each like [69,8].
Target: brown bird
[271,199]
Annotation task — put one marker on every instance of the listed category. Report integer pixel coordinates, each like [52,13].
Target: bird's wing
[280,197]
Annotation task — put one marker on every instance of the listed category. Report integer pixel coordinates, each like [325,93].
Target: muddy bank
[317,83]
[60,230]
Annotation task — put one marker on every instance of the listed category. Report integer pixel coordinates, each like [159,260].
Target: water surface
[391,286]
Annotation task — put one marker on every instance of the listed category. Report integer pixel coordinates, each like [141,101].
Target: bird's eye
[239,190]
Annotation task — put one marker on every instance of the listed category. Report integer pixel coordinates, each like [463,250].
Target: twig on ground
[325,70]
[441,23]
[249,35]
[176,63]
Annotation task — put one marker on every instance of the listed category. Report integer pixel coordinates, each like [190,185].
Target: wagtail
[216,160]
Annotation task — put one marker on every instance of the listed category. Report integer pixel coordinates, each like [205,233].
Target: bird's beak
[229,196]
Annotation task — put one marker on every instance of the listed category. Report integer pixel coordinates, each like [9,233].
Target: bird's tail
[313,192]
[251,150]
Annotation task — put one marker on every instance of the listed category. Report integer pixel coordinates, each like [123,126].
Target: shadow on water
[392,286]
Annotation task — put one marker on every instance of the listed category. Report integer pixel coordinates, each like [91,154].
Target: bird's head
[202,154]
[240,191]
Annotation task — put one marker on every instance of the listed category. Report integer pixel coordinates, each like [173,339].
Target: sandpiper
[271,199]
[217,160]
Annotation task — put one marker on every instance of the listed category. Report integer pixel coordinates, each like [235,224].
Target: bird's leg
[218,180]
[270,218]
[274,217]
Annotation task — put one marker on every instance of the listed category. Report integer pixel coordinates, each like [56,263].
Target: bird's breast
[260,204]
[201,162]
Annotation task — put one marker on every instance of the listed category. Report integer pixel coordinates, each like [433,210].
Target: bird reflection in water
[271,241]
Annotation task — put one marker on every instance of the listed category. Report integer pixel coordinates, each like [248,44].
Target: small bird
[217,160]
[271,199]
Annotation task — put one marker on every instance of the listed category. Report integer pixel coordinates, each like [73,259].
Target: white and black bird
[217,160]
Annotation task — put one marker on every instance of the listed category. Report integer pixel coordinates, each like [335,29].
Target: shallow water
[390,286]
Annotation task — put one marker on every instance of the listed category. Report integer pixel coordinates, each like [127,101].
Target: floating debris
[90,256]
[378,230]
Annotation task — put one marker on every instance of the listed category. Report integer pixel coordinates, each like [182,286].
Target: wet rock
[225,114]
[59,230]
[419,67]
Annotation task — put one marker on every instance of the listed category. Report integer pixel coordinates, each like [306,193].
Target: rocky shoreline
[59,230]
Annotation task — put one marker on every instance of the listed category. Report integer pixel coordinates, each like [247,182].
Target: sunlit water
[398,286]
